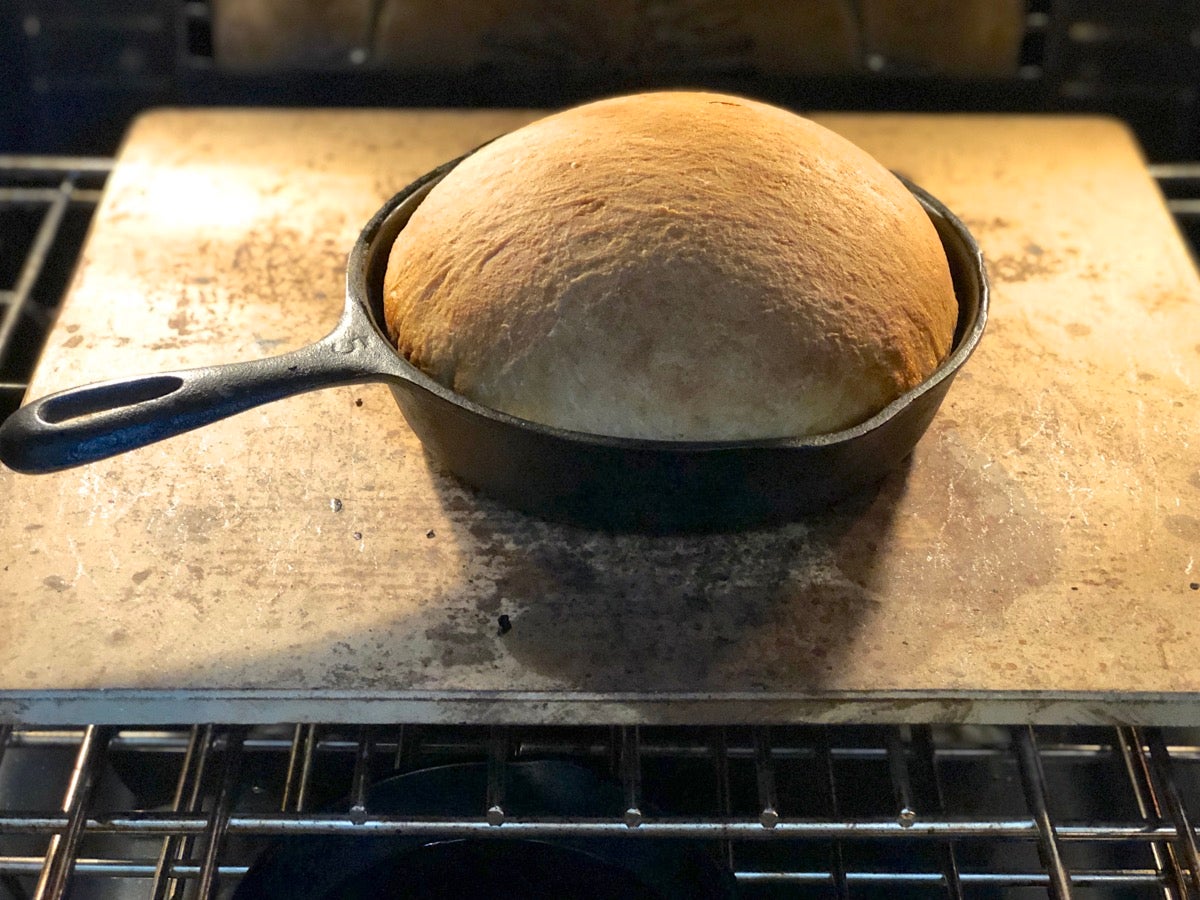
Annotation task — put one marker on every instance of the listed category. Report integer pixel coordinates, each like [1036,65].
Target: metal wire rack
[792,811]
[1180,183]
[45,205]
[845,811]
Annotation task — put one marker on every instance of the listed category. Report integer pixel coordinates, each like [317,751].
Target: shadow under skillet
[618,612]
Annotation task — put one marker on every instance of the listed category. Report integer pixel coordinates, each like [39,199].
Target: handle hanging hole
[105,397]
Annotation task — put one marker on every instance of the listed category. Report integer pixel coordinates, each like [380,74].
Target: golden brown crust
[673,266]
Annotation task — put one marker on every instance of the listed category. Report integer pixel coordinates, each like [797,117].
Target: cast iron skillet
[616,483]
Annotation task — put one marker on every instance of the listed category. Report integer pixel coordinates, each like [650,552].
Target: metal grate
[845,811]
[792,811]
[1180,184]
[45,206]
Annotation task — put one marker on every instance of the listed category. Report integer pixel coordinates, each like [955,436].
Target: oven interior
[194,809]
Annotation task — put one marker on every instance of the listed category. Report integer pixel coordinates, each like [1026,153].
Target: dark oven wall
[75,72]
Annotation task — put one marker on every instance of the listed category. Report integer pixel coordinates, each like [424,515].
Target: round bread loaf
[675,266]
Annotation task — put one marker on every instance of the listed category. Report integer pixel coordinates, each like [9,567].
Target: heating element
[789,811]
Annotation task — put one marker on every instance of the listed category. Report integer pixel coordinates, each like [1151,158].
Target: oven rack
[791,810]
[845,811]
[46,203]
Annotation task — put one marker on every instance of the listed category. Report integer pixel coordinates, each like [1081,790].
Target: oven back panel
[79,71]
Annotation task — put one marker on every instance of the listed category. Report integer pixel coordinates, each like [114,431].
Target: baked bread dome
[673,266]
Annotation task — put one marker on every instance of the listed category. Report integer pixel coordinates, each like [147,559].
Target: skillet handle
[90,423]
